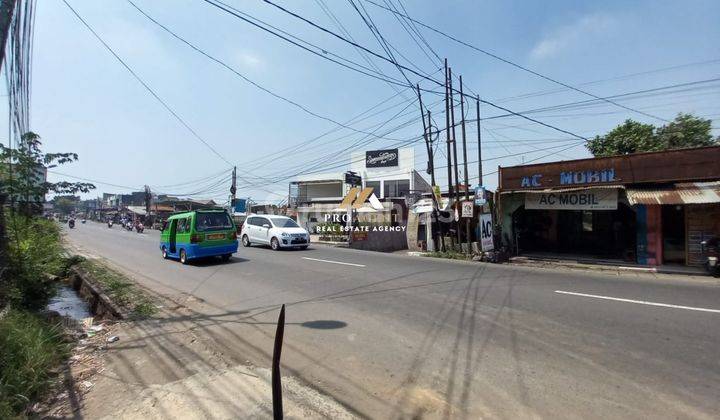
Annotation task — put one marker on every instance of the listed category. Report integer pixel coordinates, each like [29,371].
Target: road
[395,336]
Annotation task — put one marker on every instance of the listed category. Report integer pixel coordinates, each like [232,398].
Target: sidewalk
[170,367]
[606,265]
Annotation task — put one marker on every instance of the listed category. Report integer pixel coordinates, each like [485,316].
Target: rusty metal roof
[680,193]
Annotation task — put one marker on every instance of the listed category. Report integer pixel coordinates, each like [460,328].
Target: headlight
[284,235]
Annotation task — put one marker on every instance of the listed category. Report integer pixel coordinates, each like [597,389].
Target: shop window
[397,189]
[375,185]
[587,221]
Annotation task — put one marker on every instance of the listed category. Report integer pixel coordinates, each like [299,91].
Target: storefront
[650,208]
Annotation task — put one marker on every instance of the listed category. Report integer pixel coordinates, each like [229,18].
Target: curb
[100,303]
[600,267]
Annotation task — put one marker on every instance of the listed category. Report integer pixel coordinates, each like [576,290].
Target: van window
[212,221]
[181,225]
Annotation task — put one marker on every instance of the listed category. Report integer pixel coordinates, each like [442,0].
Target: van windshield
[284,223]
[212,221]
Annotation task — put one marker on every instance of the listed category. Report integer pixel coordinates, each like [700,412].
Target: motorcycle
[83,221]
[139,228]
[110,223]
[71,223]
[709,248]
[129,226]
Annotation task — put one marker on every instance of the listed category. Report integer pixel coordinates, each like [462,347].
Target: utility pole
[455,161]
[447,141]
[430,238]
[233,189]
[148,200]
[477,106]
[464,144]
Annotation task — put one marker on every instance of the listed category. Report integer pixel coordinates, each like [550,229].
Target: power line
[145,85]
[504,60]
[411,70]
[242,76]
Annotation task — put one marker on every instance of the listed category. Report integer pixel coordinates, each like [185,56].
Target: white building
[390,172]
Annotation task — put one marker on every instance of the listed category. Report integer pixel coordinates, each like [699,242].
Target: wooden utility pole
[455,161]
[465,166]
[447,142]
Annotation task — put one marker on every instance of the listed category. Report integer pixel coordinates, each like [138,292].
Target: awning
[681,193]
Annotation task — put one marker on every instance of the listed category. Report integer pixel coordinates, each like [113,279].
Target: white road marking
[641,302]
[333,262]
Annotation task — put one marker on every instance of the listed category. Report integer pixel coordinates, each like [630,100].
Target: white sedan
[276,231]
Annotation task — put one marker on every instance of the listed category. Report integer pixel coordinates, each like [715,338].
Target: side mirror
[265,225]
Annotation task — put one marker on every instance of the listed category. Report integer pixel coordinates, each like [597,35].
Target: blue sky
[83,100]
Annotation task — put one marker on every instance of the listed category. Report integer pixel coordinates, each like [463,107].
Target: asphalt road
[395,336]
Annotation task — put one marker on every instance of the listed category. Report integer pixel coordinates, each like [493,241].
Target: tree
[633,137]
[22,173]
[64,205]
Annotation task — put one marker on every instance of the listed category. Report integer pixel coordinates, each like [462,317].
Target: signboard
[240,205]
[480,196]
[438,195]
[467,209]
[353,179]
[587,199]
[381,158]
[698,164]
[486,232]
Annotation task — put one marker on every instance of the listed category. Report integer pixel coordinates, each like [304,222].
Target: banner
[381,158]
[486,232]
[588,199]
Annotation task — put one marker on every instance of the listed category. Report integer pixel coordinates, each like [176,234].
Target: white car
[276,231]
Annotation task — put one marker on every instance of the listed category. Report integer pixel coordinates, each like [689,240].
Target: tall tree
[22,172]
[633,137]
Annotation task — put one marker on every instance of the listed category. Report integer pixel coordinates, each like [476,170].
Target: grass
[120,289]
[30,350]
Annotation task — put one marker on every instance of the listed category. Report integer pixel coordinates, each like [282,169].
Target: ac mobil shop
[649,208]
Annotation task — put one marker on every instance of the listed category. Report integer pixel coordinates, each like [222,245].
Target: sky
[83,100]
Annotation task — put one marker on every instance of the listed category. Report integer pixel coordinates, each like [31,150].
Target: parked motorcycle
[71,223]
[140,228]
[710,250]
[110,223]
[83,221]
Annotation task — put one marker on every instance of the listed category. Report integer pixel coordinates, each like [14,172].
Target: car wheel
[183,257]
[245,241]
[164,253]
[226,257]
[274,244]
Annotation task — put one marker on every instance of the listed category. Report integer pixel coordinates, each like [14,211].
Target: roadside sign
[480,195]
[438,195]
[486,232]
[467,209]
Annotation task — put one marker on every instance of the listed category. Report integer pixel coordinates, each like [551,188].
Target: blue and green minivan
[199,234]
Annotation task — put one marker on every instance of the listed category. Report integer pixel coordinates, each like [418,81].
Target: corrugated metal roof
[681,193]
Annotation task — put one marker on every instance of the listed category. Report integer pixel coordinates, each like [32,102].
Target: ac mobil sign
[572,178]
[588,199]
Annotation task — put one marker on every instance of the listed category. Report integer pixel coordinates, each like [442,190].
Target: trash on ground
[113,339]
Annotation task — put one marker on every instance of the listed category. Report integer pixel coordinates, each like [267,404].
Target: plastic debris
[113,339]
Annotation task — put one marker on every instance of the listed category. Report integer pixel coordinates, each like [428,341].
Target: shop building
[389,172]
[648,208]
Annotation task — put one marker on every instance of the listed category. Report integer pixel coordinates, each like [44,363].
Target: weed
[30,349]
